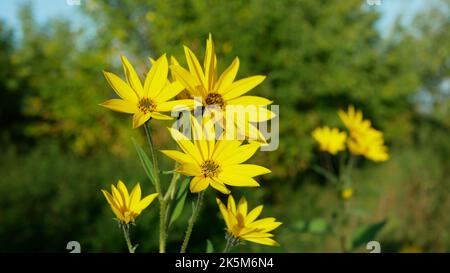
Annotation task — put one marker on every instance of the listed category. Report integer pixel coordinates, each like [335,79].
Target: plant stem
[192,221]
[228,245]
[162,202]
[126,234]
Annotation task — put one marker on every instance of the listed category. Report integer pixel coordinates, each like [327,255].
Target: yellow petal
[121,88]
[140,118]
[225,148]
[186,79]
[237,180]
[249,100]
[227,77]
[160,116]
[144,203]
[208,64]
[110,199]
[132,77]
[179,156]
[216,184]
[186,145]
[169,91]
[198,184]
[135,197]
[156,77]
[199,138]
[189,169]
[262,241]
[194,67]
[246,169]
[242,206]
[231,205]
[224,212]
[253,214]
[119,105]
[175,105]
[123,192]
[241,154]
[242,86]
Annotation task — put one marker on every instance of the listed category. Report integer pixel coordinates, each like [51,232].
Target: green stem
[162,202]
[192,221]
[228,245]
[126,234]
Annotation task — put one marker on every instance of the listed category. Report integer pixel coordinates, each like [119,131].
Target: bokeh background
[58,148]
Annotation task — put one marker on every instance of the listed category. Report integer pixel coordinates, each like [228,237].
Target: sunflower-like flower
[214,162]
[364,140]
[243,225]
[224,92]
[370,144]
[148,100]
[330,140]
[126,206]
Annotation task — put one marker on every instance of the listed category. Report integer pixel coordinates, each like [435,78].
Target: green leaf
[367,233]
[180,200]
[327,174]
[209,247]
[146,162]
[318,226]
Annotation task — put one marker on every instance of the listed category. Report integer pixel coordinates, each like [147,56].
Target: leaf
[209,246]
[180,200]
[367,233]
[327,174]
[146,162]
[318,226]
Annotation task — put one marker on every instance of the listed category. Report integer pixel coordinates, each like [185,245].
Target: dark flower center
[210,168]
[146,105]
[215,99]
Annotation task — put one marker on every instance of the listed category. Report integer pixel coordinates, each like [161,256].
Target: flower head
[353,120]
[330,140]
[223,91]
[148,100]
[370,144]
[241,224]
[214,162]
[126,206]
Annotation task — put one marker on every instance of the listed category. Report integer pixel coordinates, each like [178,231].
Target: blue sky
[44,9]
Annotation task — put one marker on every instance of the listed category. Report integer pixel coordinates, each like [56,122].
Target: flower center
[146,105]
[210,168]
[215,99]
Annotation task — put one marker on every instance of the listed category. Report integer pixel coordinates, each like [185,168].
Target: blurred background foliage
[58,147]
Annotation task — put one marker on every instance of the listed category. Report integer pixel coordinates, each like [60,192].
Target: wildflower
[242,225]
[224,92]
[330,140]
[148,100]
[126,206]
[353,120]
[212,162]
[370,144]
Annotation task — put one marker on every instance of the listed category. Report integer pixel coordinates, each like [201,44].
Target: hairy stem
[192,221]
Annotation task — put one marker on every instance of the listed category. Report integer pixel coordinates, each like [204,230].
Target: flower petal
[242,86]
[121,88]
[140,118]
[262,241]
[179,156]
[241,154]
[119,105]
[132,77]
[135,197]
[144,203]
[246,169]
[253,214]
[169,91]
[186,79]
[160,116]
[227,77]
[216,184]
[237,180]
[156,77]
[242,206]
[186,145]
[175,105]
[199,184]
[189,169]
[194,67]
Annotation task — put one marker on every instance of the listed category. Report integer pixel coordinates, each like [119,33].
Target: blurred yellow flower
[347,193]
[330,140]
[126,206]
[223,92]
[242,225]
[364,140]
[214,162]
[353,120]
[147,101]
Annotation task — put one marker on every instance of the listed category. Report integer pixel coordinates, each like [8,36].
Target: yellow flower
[148,100]
[212,162]
[330,140]
[223,91]
[242,225]
[370,144]
[347,193]
[353,120]
[126,206]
